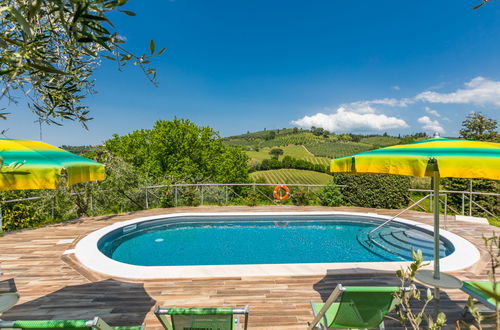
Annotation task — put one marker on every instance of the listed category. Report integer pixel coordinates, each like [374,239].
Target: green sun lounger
[202,318]
[359,307]
[482,291]
[96,324]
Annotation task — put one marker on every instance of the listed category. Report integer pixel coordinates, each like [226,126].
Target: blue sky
[237,66]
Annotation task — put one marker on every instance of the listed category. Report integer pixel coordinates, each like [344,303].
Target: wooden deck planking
[55,286]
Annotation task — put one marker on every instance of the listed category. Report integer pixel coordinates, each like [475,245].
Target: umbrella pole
[436,224]
[435,183]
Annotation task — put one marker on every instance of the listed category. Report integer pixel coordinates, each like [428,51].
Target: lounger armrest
[162,317]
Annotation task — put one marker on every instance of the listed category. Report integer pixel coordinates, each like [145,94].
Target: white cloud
[430,125]
[386,101]
[345,119]
[478,91]
[364,116]
[432,112]
[396,87]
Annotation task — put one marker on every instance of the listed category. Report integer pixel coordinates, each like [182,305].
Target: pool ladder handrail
[370,233]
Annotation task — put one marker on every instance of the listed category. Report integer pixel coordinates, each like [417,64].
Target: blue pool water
[264,240]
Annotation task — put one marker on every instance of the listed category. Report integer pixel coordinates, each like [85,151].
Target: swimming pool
[208,244]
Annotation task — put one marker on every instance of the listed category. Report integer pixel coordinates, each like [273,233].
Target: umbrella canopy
[450,157]
[37,165]
[437,158]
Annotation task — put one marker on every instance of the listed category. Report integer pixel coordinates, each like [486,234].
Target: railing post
[201,195]
[175,195]
[463,204]
[147,201]
[445,207]
[227,197]
[54,201]
[1,218]
[91,203]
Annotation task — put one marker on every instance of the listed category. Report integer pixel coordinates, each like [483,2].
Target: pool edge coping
[88,255]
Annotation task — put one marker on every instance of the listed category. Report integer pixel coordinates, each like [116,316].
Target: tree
[317,131]
[276,152]
[478,127]
[270,135]
[50,49]
[180,151]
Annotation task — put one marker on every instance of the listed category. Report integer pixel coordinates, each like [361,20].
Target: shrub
[167,199]
[189,196]
[490,203]
[374,190]
[19,216]
[331,195]
[300,197]
[252,198]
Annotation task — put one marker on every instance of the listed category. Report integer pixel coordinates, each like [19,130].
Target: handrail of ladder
[397,215]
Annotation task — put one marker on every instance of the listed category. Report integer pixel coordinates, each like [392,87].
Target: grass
[297,152]
[292,176]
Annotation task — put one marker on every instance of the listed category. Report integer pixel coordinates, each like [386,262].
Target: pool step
[391,242]
[405,240]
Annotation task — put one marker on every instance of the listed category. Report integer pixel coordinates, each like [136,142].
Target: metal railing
[227,193]
[370,234]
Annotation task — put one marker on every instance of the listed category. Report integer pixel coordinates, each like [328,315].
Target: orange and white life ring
[285,196]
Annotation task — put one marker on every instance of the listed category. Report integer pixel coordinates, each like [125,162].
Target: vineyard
[337,149]
[291,176]
[381,141]
[293,139]
[297,152]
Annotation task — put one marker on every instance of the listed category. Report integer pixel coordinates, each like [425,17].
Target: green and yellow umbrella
[37,165]
[435,158]
[449,157]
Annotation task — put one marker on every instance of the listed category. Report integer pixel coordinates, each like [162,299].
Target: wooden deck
[55,286]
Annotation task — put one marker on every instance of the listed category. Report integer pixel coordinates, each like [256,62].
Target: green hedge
[374,190]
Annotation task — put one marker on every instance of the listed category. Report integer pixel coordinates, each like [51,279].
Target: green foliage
[50,49]
[412,296]
[495,221]
[478,127]
[331,195]
[300,197]
[180,151]
[374,190]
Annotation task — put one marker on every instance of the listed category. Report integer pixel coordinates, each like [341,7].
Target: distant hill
[80,150]
[315,146]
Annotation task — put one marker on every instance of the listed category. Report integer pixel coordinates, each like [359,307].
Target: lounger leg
[238,322]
